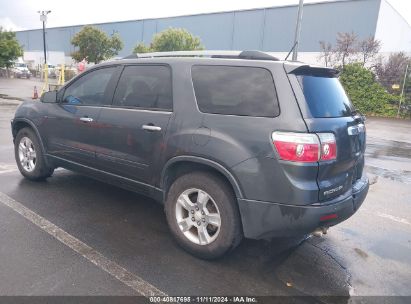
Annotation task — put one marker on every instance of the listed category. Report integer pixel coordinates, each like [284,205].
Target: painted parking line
[394,218]
[8,171]
[387,216]
[7,168]
[10,168]
[123,275]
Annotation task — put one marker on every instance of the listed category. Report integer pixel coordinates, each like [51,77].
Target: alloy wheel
[198,216]
[27,154]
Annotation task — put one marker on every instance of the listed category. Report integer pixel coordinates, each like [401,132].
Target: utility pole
[43,18]
[402,91]
[298,30]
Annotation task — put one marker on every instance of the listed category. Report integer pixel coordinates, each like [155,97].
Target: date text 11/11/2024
[203,299]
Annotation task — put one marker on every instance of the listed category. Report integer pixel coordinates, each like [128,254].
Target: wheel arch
[180,165]
[20,123]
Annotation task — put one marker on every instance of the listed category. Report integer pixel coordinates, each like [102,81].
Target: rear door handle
[86,119]
[151,128]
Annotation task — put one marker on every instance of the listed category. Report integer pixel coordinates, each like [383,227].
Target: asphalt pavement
[369,254]
[21,89]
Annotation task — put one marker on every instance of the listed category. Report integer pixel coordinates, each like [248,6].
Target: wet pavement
[389,159]
[21,89]
[369,254]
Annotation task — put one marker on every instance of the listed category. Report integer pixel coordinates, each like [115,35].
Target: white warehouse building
[268,29]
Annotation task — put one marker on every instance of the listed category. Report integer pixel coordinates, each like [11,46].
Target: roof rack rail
[252,55]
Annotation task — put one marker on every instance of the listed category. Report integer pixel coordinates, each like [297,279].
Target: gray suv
[234,144]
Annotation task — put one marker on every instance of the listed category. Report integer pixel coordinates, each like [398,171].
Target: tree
[95,45]
[368,86]
[346,47]
[367,95]
[10,48]
[369,49]
[327,53]
[392,71]
[141,48]
[172,39]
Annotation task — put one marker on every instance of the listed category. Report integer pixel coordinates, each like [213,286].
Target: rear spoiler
[309,70]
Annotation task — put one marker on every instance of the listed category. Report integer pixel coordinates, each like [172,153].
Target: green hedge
[367,95]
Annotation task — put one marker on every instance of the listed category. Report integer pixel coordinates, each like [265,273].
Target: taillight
[300,147]
[305,147]
[328,146]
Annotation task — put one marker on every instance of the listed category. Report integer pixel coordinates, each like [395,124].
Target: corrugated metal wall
[393,30]
[270,29]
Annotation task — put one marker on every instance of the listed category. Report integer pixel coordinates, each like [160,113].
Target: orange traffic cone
[35,94]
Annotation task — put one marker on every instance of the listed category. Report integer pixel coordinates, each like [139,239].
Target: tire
[215,240]
[29,156]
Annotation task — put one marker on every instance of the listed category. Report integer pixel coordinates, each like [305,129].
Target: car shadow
[132,231]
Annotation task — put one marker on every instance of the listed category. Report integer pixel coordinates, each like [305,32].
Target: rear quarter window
[325,96]
[231,90]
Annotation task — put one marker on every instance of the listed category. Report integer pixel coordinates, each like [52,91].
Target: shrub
[367,95]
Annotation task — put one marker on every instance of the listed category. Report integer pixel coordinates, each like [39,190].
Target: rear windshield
[325,96]
[231,90]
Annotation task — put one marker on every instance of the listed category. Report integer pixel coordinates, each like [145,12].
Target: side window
[90,88]
[145,86]
[232,90]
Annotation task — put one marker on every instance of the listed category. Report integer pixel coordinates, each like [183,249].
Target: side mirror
[49,97]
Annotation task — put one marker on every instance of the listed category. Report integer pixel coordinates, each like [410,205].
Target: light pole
[298,29]
[43,18]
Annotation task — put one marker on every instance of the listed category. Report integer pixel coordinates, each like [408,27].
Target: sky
[22,14]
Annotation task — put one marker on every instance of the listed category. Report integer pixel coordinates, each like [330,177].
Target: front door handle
[151,128]
[86,119]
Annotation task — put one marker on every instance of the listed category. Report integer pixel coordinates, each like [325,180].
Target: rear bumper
[264,219]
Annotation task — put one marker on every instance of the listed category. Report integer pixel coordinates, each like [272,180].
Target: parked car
[20,70]
[234,144]
[52,71]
